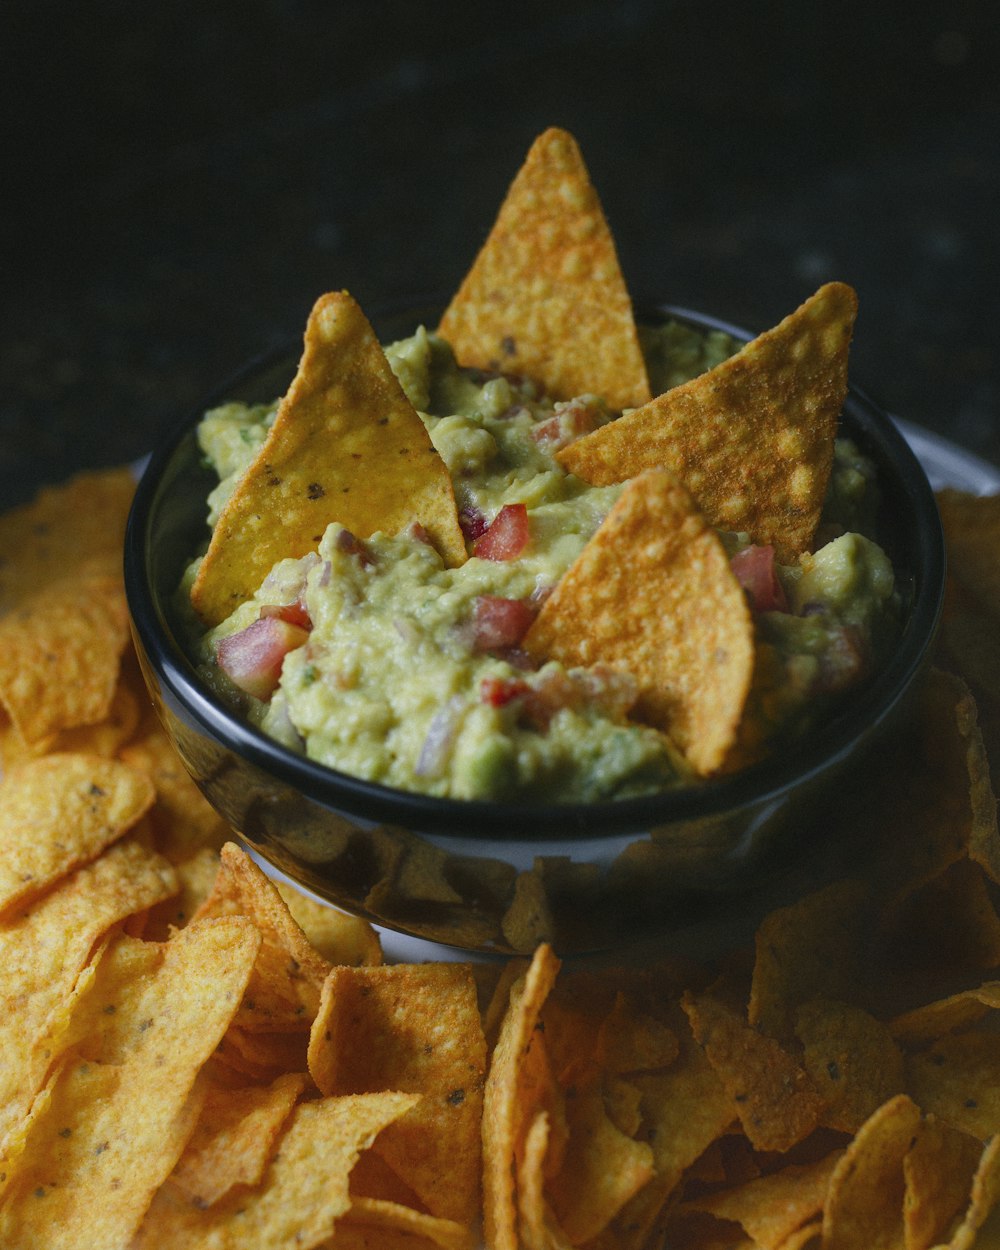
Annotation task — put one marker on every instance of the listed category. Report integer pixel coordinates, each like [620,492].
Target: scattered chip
[506,1113]
[235,1137]
[752,439]
[545,296]
[285,987]
[346,446]
[864,1206]
[161,1014]
[77,525]
[653,592]
[414,1028]
[938,1170]
[60,652]
[58,812]
[772,1095]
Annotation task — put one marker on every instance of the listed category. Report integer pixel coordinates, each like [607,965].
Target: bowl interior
[168,526]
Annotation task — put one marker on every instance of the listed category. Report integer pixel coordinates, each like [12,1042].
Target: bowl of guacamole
[374,720]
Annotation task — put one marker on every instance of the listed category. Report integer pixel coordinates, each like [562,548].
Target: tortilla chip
[394,1217]
[346,446]
[686,1107]
[61,811]
[77,525]
[60,652]
[284,990]
[195,877]
[338,937]
[412,1027]
[772,1208]
[852,1060]
[304,1191]
[945,1015]
[751,439]
[506,1112]
[982,1201]
[90,1165]
[184,819]
[602,1168]
[653,593]
[45,946]
[938,1171]
[817,940]
[775,1100]
[235,1137]
[105,737]
[537,1224]
[545,296]
[958,1080]
[865,1200]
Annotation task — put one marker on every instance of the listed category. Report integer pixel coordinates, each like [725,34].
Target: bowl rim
[825,747]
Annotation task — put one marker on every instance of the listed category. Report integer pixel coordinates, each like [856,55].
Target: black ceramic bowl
[499,876]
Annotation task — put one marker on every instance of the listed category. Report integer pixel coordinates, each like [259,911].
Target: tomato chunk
[252,658]
[499,691]
[755,571]
[499,622]
[294,613]
[507,535]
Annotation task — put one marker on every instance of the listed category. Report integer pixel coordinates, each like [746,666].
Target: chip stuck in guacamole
[436,574]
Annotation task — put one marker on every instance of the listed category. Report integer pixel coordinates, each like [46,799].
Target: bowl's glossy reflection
[502,876]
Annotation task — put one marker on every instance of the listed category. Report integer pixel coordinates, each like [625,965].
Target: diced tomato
[499,691]
[252,659]
[474,524]
[499,623]
[755,571]
[569,422]
[507,535]
[294,613]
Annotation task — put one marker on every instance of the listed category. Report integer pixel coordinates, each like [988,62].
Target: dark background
[181,180]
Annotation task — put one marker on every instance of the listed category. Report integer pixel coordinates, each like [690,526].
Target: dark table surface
[180,181]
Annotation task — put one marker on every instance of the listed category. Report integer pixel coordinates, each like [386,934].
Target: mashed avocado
[397,669]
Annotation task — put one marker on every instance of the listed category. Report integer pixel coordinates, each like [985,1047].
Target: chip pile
[192,1055]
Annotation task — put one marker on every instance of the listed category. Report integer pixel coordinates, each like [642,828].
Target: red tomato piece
[755,571]
[499,691]
[252,658]
[294,613]
[499,622]
[507,535]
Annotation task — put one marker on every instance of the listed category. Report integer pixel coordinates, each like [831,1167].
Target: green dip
[410,674]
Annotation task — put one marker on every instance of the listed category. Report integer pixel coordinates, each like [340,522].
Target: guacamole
[372,657]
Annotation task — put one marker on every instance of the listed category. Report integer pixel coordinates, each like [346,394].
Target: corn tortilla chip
[653,592]
[776,1102]
[78,524]
[773,1207]
[58,812]
[865,1201]
[90,1165]
[235,1137]
[414,1028]
[545,296]
[958,1080]
[751,439]
[506,1115]
[395,1217]
[105,737]
[304,1192]
[44,947]
[851,1058]
[817,940]
[602,1168]
[346,446]
[338,937]
[945,1015]
[60,652]
[972,532]
[938,1171]
[982,1201]
[284,990]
